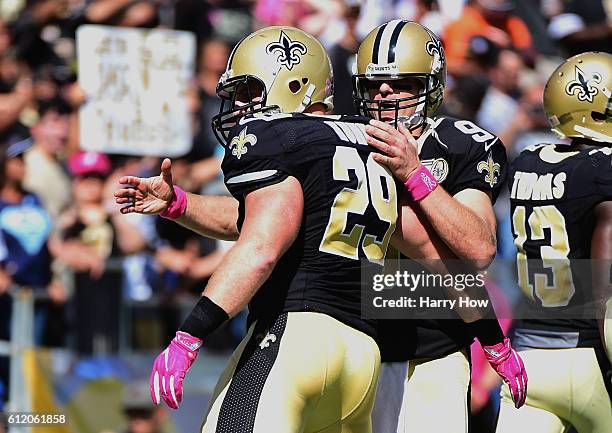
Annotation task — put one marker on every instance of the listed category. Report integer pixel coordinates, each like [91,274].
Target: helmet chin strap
[307,98]
[593,135]
[417,118]
[411,121]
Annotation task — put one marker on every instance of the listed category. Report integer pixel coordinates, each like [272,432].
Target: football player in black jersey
[400,82]
[213,216]
[311,202]
[561,204]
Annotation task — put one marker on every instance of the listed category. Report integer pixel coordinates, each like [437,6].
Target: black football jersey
[553,192]
[350,208]
[461,156]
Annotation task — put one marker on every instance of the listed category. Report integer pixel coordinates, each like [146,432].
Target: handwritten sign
[136,83]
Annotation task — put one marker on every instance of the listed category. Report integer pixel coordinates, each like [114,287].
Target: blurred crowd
[62,234]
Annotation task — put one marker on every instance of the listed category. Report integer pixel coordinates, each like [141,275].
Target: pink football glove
[170,367]
[509,366]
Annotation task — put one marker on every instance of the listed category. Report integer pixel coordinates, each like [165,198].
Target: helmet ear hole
[304,81]
[598,117]
[295,86]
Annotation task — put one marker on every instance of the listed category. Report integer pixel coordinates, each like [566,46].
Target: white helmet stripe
[385,41]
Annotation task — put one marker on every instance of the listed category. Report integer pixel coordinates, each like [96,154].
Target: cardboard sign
[136,81]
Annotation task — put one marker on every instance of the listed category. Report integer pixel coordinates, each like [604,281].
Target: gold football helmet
[393,51]
[578,97]
[278,68]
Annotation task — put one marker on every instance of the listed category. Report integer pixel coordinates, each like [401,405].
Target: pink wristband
[421,183]
[188,341]
[177,205]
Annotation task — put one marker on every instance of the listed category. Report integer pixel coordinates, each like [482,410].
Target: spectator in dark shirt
[15,91]
[193,16]
[206,155]
[93,231]
[342,56]
[582,26]
[212,62]
[27,30]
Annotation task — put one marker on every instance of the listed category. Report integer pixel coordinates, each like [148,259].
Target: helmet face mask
[394,51]
[578,98]
[275,69]
[377,108]
[245,94]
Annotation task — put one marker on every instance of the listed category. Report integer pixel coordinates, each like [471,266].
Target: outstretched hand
[149,195]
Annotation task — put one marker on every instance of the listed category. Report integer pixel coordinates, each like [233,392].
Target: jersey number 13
[557,290]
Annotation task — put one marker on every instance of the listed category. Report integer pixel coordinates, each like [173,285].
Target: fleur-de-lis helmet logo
[240,141]
[490,167]
[287,52]
[434,48]
[583,87]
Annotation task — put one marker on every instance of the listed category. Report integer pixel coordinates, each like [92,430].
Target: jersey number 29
[356,201]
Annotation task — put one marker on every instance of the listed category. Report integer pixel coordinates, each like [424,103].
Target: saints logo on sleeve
[491,168]
[254,157]
[239,143]
[462,156]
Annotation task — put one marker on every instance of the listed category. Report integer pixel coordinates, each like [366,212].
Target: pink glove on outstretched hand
[170,367]
[509,366]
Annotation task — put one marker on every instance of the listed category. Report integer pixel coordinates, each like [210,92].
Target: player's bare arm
[261,244]
[211,216]
[415,237]
[601,253]
[244,269]
[466,222]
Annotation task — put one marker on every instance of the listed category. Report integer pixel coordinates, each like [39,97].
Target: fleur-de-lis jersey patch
[490,167]
[239,143]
